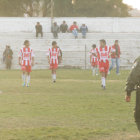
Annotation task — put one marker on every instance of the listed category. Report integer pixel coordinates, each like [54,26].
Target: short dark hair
[116,40]
[54,43]
[94,46]
[26,41]
[103,41]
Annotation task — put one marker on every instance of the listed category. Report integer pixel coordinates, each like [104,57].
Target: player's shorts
[104,66]
[26,68]
[53,66]
[94,63]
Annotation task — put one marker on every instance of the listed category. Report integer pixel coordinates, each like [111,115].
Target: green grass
[75,108]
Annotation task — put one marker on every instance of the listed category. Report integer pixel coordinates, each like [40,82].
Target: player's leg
[28,71]
[97,69]
[103,75]
[137,110]
[54,75]
[24,78]
[102,71]
[23,68]
[28,79]
[93,70]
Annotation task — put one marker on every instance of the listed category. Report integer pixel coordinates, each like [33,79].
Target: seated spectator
[39,29]
[7,57]
[64,27]
[74,29]
[84,30]
[55,30]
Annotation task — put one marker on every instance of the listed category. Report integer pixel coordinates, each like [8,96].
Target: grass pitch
[74,108]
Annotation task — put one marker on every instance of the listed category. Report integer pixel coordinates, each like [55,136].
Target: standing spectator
[7,57]
[39,29]
[115,57]
[84,30]
[74,29]
[55,30]
[94,60]
[64,27]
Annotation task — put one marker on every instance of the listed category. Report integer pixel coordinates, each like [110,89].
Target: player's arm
[48,59]
[132,80]
[19,60]
[90,58]
[33,61]
[19,57]
[33,58]
[60,56]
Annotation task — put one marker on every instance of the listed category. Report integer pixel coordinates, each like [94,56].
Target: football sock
[96,71]
[93,71]
[53,77]
[24,78]
[28,79]
[103,81]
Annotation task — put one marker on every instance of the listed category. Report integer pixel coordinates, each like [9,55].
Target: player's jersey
[26,55]
[93,57]
[54,54]
[104,53]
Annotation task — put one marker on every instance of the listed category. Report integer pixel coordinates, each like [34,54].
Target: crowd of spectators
[63,28]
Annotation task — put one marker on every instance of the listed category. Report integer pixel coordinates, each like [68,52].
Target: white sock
[96,71]
[53,77]
[93,71]
[28,79]
[103,81]
[24,78]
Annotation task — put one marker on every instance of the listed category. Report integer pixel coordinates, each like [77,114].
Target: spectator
[74,29]
[84,30]
[39,29]
[7,57]
[64,27]
[115,57]
[55,30]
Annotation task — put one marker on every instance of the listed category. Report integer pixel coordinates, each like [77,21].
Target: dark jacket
[7,55]
[38,28]
[133,81]
[64,28]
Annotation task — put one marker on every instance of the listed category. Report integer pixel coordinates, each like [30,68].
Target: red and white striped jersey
[104,53]
[26,55]
[93,57]
[53,54]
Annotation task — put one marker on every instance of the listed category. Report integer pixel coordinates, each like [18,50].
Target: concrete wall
[112,25]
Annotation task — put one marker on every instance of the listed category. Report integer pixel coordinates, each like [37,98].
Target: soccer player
[54,58]
[26,61]
[103,56]
[94,60]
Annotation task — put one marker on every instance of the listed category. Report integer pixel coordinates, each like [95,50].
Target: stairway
[73,49]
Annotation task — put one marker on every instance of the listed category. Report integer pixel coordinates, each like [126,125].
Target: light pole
[52,12]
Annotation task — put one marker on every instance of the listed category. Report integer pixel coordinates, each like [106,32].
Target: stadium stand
[74,52]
